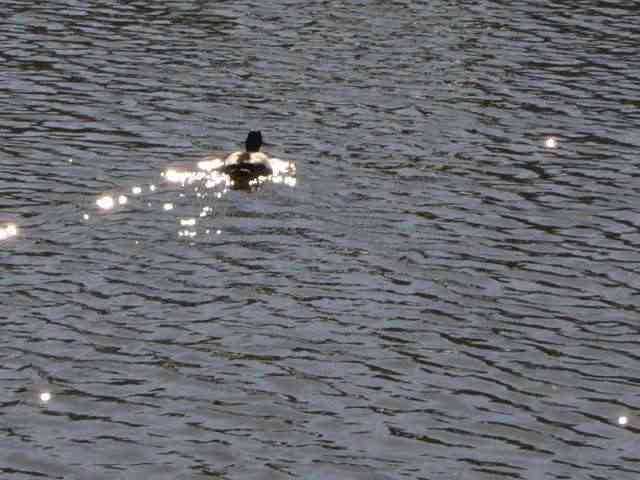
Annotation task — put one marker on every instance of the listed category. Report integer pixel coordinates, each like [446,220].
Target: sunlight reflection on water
[205,181]
[45,397]
[105,202]
[8,231]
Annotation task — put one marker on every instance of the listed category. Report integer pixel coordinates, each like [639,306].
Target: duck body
[252,164]
[245,167]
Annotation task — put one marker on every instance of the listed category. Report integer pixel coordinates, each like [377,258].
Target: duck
[249,164]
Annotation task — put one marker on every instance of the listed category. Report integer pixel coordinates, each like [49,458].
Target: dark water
[439,296]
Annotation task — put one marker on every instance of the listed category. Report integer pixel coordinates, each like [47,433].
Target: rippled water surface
[440,293]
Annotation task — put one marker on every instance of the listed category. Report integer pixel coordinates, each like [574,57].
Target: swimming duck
[250,164]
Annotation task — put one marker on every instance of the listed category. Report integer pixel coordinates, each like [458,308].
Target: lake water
[448,288]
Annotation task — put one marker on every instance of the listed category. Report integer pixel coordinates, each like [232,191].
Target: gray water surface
[441,294]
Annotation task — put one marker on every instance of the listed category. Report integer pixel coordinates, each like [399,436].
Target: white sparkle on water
[8,231]
[106,202]
[212,164]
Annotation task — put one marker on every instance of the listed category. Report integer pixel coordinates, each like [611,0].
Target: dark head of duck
[253,143]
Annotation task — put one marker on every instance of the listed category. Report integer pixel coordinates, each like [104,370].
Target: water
[441,294]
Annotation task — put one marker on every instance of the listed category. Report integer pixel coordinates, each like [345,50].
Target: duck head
[254,141]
